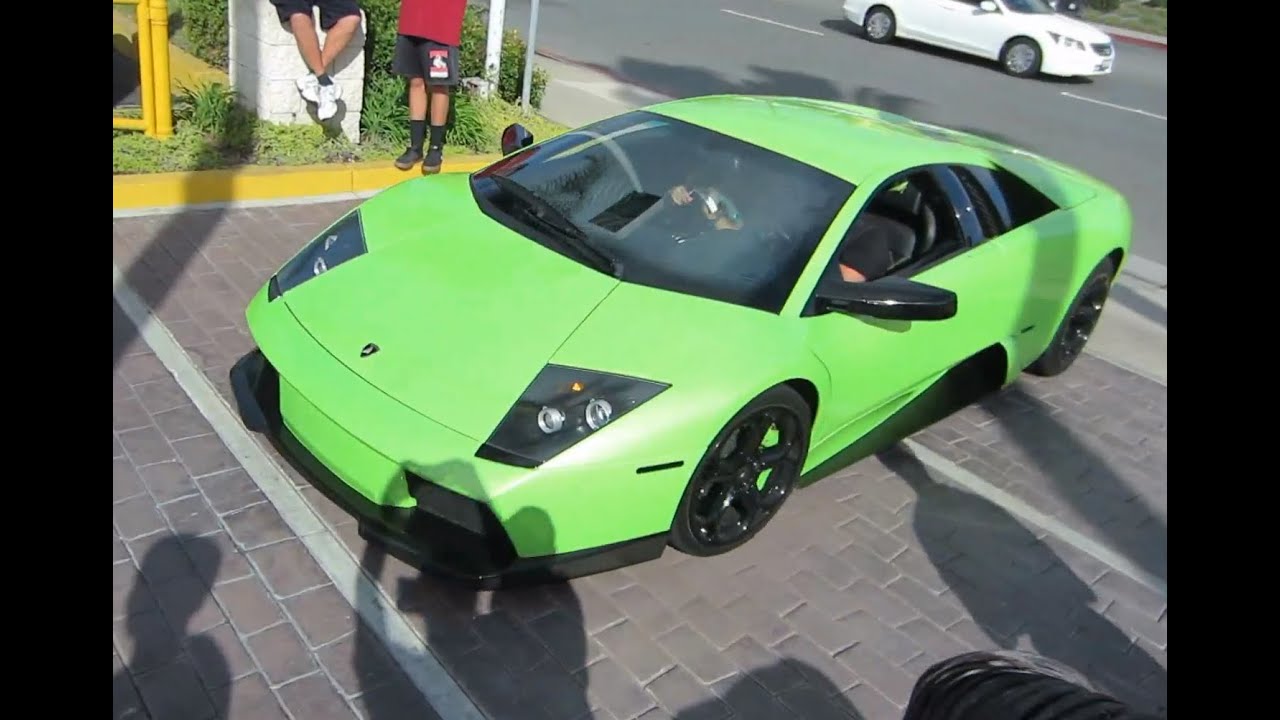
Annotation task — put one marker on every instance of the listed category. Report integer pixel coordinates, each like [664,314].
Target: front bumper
[1065,62]
[446,533]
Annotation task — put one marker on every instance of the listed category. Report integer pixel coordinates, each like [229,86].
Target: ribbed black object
[1010,685]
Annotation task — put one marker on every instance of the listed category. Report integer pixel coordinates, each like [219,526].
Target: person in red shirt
[427,54]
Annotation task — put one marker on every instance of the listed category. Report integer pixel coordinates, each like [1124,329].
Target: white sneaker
[328,101]
[309,87]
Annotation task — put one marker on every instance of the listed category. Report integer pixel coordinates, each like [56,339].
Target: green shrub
[385,116]
[212,130]
[1105,6]
[204,22]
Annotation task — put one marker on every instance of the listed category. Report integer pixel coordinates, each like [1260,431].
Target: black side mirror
[515,137]
[888,298]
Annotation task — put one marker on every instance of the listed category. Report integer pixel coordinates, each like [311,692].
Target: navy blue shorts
[331,11]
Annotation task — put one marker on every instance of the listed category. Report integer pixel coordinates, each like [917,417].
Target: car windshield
[664,203]
[1030,7]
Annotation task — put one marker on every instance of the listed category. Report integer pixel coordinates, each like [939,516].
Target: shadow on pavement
[525,652]
[683,81]
[513,651]
[1136,302]
[1016,587]
[170,688]
[1084,480]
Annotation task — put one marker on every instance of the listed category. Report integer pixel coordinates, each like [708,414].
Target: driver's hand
[680,195]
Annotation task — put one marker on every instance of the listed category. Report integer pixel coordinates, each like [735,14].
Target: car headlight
[343,241]
[1065,41]
[560,407]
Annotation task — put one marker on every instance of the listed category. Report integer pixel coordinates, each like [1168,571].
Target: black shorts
[417,57]
[331,11]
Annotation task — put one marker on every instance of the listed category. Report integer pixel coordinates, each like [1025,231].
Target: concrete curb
[1134,37]
[239,185]
[1142,42]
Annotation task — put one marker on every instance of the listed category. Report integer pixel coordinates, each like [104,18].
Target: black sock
[417,129]
[324,79]
[437,136]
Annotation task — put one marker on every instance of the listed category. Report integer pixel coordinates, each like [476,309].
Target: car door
[964,26]
[1034,255]
[876,365]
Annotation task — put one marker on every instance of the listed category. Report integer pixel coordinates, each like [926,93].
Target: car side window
[1002,200]
[910,222]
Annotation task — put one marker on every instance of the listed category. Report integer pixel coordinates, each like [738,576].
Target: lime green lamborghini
[642,333]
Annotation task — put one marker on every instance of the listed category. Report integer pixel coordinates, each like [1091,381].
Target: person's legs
[409,61]
[442,77]
[297,15]
[339,19]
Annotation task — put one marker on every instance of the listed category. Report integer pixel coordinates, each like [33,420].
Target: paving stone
[288,567]
[322,614]
[281,653]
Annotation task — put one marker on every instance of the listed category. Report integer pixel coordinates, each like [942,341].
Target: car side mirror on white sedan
[988,6]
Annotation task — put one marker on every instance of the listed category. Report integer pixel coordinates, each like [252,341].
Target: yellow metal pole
[162,97]
[146,84]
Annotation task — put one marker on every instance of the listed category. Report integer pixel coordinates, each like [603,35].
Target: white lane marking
[1073,96]
[374,607]
[771,22]
[1023,511]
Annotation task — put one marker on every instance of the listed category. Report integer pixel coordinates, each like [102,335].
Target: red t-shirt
[438,20]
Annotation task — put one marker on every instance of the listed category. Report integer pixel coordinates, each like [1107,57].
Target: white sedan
[1025,36]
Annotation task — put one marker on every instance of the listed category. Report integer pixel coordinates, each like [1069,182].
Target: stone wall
[264,64]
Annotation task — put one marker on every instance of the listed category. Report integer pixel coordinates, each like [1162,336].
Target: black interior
[914,220]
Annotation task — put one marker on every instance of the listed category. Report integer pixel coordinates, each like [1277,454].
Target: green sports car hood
[464,311]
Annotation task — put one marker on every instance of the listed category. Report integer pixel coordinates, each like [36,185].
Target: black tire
[1078,324]
[880,25]
[720,475]
[1021,57]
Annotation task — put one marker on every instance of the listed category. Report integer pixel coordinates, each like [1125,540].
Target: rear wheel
[1021,57]
[879,24]
[745,476]
[1077,326]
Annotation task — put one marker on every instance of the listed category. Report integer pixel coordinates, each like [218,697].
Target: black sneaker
[410,158]
[435,157]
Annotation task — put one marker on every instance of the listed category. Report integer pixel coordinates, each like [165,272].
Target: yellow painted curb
[199,187]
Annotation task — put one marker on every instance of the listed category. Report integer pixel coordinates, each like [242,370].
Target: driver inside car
[866,255]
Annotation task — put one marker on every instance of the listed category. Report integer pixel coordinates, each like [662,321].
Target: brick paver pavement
[833,611]
[217,610]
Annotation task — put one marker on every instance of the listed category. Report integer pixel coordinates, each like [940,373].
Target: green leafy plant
[1105,6]
[204,22]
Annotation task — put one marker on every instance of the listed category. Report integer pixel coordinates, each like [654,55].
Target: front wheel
[1077,326]
[745,476]
[879,25]
[1021,57]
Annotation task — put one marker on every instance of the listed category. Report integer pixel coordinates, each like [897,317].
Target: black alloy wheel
[1079,323]
[746,475]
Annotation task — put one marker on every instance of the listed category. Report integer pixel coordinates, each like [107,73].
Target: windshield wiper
[550,217]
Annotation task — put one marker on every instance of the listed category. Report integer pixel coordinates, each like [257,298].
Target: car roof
[851,142]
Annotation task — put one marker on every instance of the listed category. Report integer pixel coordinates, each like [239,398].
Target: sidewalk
[1037,518]
[218,610]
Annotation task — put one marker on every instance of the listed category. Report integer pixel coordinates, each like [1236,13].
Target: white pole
[528,56]
[493,46]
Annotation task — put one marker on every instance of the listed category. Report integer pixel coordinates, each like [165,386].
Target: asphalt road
[1114,127]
